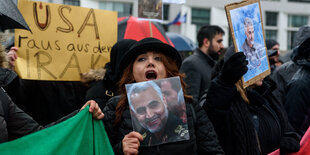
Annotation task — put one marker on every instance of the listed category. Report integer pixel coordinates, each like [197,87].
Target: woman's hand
[12,56]
[131,143]
[94,109]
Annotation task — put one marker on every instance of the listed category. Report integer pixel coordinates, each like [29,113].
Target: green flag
[77,135]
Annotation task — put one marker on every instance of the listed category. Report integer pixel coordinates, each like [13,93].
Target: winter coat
[47,101]
[242,128]
[101,88]
[14,123]
[282,76]
[203,139]
[198,70]
[297,102]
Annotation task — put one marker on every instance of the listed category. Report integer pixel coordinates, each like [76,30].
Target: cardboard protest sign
[150,10]
[175,1]
[65,40]
[158,111]
[246,25]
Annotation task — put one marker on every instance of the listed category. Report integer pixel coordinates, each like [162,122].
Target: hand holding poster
[158,111]
[65,40]
[245,22]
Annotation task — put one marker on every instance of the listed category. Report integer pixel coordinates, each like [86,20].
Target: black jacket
[99,93]
[14,123]
[47,101]
[297,102]
[282,76]
[198,70]
[203,139]
[255,128]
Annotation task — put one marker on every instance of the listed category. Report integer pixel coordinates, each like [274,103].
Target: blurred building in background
[281,18]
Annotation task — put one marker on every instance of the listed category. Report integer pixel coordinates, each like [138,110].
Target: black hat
[149,44]
[270,43]
[117,51]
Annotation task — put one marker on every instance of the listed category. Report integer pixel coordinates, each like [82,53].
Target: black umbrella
[10,17]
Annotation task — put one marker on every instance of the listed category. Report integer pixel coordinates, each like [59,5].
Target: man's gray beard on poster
[155,117]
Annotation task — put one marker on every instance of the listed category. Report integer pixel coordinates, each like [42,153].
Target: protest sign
[65,40]
[150,10]
[246,25]
[158,111]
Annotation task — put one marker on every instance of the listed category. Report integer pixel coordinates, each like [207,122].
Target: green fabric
[77,135]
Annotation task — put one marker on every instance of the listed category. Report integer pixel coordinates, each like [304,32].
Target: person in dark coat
[151,59]
[297,104]
[249,121]
[45,101]
[198,67]
[103,82]
[273,52]
[283,74]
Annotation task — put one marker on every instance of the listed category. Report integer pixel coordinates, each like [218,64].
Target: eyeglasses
[152,105]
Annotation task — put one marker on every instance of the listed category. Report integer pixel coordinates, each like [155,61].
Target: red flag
[304,146]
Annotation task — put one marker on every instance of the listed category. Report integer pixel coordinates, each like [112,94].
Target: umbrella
[181,42]
[136,29]
[10,17]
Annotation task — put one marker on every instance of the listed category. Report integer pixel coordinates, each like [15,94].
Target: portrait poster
[150,10]
[158,111]
[64,41]
[246,27]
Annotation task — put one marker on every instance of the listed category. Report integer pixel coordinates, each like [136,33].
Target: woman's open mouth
[151,75]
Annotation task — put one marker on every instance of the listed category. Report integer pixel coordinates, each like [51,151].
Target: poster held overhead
[150,10]
[246,27]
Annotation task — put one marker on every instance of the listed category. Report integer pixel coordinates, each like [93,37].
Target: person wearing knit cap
[247,121]
[273,50]
[151,59]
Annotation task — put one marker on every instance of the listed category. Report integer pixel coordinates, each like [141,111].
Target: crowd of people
[217,116]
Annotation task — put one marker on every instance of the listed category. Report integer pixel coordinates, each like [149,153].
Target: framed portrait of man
[150,10]
[246,27]
[158,111]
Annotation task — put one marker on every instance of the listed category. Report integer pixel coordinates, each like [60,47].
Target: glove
[233,69]
[288,145]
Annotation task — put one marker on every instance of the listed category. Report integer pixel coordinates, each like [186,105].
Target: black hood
[118,50]
[301,53]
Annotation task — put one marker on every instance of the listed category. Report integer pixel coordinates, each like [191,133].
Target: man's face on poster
[171,95]
[150,110]
[249,32]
